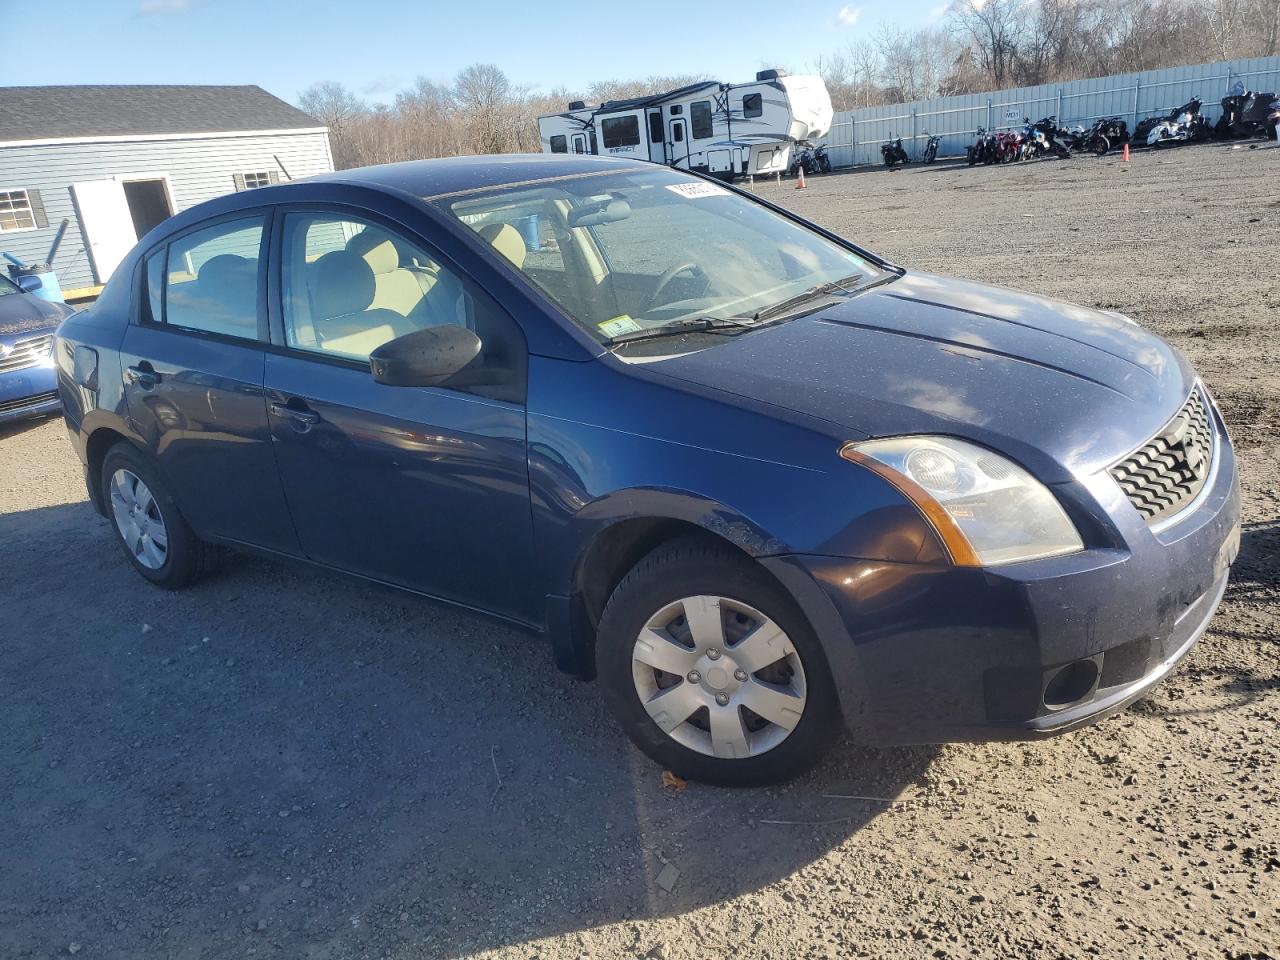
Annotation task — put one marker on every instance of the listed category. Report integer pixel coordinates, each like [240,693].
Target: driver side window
[350,285]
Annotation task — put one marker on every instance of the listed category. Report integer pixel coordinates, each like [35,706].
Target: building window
[655,127]
[559,143]
[752,105]
[255,179]
[700,118]
[21,210]
[620,132]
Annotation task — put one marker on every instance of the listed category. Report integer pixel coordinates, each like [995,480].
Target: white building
[114,161]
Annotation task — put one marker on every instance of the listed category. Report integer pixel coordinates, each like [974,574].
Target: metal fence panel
[856,135]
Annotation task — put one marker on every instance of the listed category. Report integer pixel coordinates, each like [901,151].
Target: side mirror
[30,283]
[425,358]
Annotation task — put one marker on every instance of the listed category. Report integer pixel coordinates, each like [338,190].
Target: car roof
[434,178]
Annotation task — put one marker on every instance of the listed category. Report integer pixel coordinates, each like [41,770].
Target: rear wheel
[713,671]
[151,531]
[1099,145]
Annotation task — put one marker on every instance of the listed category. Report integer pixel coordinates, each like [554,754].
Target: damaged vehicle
[760,483]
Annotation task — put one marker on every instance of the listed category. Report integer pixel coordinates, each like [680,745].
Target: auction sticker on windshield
[695,190]
[618,325]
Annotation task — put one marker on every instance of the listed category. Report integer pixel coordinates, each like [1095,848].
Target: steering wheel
[669,275]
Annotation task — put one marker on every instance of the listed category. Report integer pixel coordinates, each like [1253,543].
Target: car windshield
[625,254]
[7,287]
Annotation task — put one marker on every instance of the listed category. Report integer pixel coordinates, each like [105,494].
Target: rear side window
[620,132]
[752,105]
[559,144]
[700,118]
[154,306]
[211,279]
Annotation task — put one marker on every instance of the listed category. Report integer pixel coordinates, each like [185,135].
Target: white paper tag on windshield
[695,190]
[618,325]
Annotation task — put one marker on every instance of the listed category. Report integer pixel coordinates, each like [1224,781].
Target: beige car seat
[395,287]
[507,240]
[342,312]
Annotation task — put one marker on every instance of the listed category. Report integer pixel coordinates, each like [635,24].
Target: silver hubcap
[138,519]
[719,677]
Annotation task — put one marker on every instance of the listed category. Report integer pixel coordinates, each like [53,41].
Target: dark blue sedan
[756,480]
[28,383]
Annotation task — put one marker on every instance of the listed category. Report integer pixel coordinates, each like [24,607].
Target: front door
[193,365]
[679,143]
[106,222]
[423,487]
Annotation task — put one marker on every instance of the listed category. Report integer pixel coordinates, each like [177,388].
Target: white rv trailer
[725,129]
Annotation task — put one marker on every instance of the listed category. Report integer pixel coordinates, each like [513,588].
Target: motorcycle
[893,153]
[1184,124]
[821,162]
[1105,134]
[1075,138]
[1273,122]
[931,148]
[983,151]
[1009,147]
[1244,114]
[801,161]
[1041,139]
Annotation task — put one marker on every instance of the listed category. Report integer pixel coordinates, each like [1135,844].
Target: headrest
[341,283]
[506,240]
[377,249]
[226,268]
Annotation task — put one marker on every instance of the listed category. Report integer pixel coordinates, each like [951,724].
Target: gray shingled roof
[46,113]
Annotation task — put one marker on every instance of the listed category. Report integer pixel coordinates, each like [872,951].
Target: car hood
[22,315]
[1063,389]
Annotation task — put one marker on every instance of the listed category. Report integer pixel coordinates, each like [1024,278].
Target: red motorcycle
[1008,147]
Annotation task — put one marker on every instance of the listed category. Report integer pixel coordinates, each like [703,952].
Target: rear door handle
[306,417]
[143,375]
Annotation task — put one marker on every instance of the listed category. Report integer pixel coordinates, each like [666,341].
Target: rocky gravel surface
[285,763]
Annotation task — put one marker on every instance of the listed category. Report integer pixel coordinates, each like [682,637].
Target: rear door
[194,361]
[424,487]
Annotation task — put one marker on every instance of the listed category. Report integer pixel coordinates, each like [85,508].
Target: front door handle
[304,417]
[143,375]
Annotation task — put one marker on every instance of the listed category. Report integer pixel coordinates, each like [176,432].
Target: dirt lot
[285,763]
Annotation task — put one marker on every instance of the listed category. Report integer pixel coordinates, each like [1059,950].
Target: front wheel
[1099,145]
[713,671]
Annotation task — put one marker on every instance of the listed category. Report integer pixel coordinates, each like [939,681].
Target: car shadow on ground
[293,761]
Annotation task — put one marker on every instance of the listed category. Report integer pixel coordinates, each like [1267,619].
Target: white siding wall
[856,135]
[197,170]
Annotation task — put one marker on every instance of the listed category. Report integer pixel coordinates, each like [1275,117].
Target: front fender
[606,447]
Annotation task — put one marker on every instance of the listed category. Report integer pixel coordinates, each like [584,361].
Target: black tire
[187,558]
[693,567]
[1099,145]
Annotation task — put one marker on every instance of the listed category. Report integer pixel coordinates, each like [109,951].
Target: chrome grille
[1168,471]
[24,353]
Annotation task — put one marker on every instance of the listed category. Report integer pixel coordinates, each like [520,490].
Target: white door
[106,223]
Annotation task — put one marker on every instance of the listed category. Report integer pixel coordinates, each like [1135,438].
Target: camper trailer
[724,129]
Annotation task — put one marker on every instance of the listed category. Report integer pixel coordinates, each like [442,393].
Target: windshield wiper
[860,282]
[675,328]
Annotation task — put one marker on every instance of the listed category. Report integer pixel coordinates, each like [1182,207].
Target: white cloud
[152,7]
[937,13]
[848,16]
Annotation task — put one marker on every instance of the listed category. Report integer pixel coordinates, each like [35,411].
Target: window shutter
[273,177]
[239,179]
[37,209]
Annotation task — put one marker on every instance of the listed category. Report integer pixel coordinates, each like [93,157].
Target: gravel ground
[282,762]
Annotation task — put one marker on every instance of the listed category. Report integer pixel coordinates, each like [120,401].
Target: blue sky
[284,47]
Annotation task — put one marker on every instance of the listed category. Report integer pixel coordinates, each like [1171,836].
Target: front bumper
[930,654]
[30,392]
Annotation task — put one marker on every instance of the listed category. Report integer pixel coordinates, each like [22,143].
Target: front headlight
[987,510]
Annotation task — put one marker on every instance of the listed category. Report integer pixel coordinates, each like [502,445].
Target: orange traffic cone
[800,182]
[1124,157]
